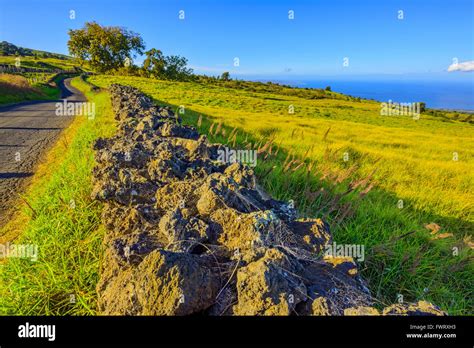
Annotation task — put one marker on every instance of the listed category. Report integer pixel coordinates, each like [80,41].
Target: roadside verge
[58,220]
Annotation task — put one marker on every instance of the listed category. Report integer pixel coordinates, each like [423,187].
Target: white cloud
[464,66]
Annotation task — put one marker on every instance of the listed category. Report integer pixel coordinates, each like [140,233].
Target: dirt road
[26,132]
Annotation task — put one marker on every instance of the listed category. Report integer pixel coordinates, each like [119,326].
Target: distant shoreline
[454,110]
[440,95]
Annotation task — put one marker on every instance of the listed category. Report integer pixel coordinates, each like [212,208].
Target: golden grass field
[414,157]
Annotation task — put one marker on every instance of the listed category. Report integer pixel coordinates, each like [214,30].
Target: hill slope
[9,49]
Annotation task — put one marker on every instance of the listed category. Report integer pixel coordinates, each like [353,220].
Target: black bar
[195,330]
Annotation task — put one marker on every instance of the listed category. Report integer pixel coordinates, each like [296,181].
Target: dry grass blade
[326,134]
[34,213]
[218,129]
[211,128]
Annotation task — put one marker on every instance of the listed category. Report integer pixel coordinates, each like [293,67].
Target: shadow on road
[30,128]
[14,175]
[6,145]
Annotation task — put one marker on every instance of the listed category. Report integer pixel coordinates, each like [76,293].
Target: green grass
[39,86]
[40,63]
[413,162]
[18,88]
[63,222]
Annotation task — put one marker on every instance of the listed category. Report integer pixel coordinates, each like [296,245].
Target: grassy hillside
[40,63]
[407,160]
[415,158]
[9,49]
[11,54]
[17,88]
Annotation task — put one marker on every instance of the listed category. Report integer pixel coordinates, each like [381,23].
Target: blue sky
[267,43]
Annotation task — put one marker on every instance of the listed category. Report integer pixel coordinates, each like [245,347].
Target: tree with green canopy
[104,48]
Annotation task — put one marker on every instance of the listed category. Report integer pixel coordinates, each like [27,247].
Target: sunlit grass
[415,158]
[40,63]
[18,88]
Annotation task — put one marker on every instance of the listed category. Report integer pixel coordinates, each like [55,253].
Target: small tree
[422,107]
[225,76]
[328,88]
[154,64]
[175,68]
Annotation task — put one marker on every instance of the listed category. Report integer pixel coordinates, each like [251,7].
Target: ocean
[456,95]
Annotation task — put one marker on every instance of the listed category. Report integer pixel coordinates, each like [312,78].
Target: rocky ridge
[187,234]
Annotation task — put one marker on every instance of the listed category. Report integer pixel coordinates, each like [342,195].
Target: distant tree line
[9,49]
[112,50]
[160,66]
